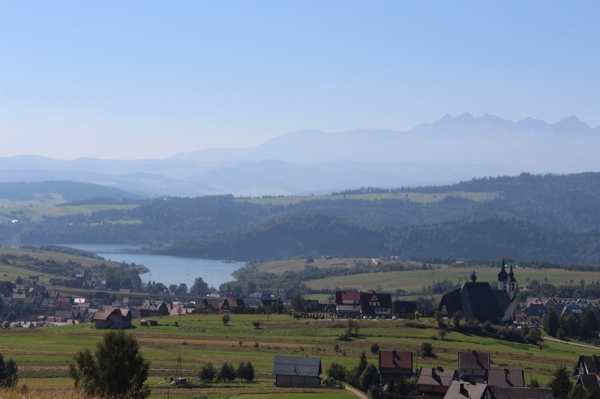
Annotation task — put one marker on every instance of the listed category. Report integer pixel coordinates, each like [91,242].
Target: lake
[166,269]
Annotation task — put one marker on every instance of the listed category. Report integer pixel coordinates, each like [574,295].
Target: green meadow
[43,354]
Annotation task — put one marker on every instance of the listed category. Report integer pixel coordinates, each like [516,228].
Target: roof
[301,366]
[591,364]
[506,378]
[341,296]
[106,312]
[521,393]
[436,376]
[473,360]
[395,360]
[462,390]
[588,381]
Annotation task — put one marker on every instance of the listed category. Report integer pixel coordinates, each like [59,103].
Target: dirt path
[570,343]
[355,392]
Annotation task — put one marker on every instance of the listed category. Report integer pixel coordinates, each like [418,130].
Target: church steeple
[503,277]
[512,287]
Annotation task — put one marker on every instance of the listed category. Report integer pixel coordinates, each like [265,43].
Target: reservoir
[166,269]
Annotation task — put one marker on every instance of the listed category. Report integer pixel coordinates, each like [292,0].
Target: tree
[9,373]
[207,373]
[375,349]
[12,316]
[337,371]
[19,280]
[456,318]
[256,324]
[116,369]
[200,288]
[427,349]
[369,378]
[182,289]
[245,371]
[577,392]
[552,323]
[225,319]
[561,383]
[298,303]
[227,373]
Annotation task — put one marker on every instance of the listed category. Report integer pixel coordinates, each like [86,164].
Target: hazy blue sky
[148,79]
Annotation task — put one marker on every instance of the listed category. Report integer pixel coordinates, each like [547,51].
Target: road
[570,343]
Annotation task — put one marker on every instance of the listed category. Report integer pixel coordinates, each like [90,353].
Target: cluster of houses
[473,378]
[34,306]
[536,309]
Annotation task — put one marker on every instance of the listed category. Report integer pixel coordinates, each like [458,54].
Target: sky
[149,79]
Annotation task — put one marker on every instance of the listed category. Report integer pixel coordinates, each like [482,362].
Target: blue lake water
[166,269]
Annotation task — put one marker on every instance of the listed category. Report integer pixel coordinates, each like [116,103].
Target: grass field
[36,211]
[43,354]
[296,265]
[415,197]
[414,280]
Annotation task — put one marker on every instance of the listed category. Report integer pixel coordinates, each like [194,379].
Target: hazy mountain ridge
[449,150]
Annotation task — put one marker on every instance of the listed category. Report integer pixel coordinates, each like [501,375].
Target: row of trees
[227,373]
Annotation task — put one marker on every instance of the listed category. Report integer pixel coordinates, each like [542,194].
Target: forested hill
[531,216]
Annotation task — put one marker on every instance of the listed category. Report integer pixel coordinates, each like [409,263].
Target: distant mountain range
[449,150]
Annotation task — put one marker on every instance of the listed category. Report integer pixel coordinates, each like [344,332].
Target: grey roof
[302,366]
[464,390]
[521,393]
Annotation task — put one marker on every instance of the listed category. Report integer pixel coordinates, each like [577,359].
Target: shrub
[375,349]
[225,319]
[116,370]
[9,373]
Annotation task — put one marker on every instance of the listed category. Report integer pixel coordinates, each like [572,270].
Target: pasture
[37,210]
[43,354]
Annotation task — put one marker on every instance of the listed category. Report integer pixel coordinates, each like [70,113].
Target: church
[483,302]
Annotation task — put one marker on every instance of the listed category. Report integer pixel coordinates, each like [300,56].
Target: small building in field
[395,364]
[297,371]
[113,318]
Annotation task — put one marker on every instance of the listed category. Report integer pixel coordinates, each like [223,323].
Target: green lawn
[43,355]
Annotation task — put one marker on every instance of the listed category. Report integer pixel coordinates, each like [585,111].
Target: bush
[375,349]
[256,324]
[9,373]
[115,370]
[225,319]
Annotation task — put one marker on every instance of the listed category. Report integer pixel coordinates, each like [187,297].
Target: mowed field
[415,197]
[415,280]
[43,354]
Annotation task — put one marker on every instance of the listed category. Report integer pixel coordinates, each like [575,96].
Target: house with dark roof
[473,366]
[347,303]
[152,307]
[480,301]
[521,393]
[433,383]
[505,378]
[394,364]
[587,365]
[467,390]
[112,318]
[297,371]
[374,304]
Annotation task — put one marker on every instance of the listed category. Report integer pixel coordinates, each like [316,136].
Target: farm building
[297,371]
[111,317]
[395,364]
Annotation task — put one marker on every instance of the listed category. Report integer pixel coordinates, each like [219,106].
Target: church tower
[503,278]
[512,284]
